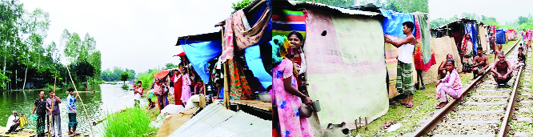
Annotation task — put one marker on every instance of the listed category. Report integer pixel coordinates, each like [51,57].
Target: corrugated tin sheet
[341,10]
[217,121]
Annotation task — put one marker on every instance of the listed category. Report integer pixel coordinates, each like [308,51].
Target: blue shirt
[70,103]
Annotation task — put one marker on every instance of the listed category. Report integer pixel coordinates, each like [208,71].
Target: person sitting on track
[480,63]
[442,66]
[451,84]
[521,57]
[501,70]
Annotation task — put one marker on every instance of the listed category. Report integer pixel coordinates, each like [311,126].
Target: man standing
[492,40]
[72,123]
[404,83]
[52,104]
[12,122]
[40,107]
[501,71]
[480,63]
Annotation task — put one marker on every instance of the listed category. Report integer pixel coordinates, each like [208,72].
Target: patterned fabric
[40,124]
[286,21]
[71,103]
[404,82]
[245,35]
[240,90]
[424,56]
[40,106]
[290,122]
[72,122]
[227,41]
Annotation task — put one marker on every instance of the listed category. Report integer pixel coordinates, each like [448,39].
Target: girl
[442,66]
[297,56]
[177,80]
[185,88]
[286,98]
[161,91]
[137,93]
[451,84]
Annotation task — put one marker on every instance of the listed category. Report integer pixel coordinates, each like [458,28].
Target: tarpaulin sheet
[200,53]
[392,24]
[346,69]
[471,28]
[500,36]
[286,21]
[255,64]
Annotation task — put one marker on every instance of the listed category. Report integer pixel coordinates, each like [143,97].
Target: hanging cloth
[246,35]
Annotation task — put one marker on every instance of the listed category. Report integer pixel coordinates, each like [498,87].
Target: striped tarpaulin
[286,21]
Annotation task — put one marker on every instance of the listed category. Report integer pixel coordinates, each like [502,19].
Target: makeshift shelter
[344,48]
[458,29]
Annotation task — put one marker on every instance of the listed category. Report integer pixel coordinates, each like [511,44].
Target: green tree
[240,5]
[124,76]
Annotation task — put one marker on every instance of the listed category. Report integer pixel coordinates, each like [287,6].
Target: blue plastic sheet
[392,24]
[255,64]
[500,36]
[200,53]
[471,28]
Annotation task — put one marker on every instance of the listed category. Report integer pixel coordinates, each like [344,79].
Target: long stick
[51,113]
[75,89]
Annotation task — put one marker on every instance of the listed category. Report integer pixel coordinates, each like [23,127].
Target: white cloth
[406,53]
[10,121]
[137,96]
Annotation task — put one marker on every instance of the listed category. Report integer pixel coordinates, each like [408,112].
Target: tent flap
[200,53]
[255,64]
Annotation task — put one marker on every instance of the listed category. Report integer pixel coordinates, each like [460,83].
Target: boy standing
[72,123]
[404,83]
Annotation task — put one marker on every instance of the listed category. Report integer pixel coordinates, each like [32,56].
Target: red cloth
[177,89]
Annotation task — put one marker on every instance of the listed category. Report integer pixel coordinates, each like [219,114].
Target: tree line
[521,23]
[27,61]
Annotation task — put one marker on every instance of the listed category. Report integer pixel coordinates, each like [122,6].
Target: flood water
[107,99]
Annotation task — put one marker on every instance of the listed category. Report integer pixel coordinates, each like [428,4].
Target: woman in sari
[286,99]
[467,49]
[176,79]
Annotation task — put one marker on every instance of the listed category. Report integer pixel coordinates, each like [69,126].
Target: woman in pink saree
[185,88]
[286,97]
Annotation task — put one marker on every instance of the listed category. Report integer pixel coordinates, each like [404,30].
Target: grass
[424,103]
[131,122]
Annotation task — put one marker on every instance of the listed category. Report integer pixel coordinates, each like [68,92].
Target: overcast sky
[503,10]
[138,35]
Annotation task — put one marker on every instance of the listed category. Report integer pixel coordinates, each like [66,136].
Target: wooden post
[226,86]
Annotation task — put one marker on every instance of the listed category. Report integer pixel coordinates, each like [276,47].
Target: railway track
[485,109]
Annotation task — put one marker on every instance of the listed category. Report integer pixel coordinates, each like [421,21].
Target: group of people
[182,81]
[47,109]
[449,82]
[291,106]
[501,70]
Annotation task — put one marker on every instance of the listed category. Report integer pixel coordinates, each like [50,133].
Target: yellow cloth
[23,121]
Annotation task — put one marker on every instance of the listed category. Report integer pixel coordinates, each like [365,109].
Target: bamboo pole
[75,89]
[226,86]
[51,114]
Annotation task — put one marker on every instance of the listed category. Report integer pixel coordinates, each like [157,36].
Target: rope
[75,89]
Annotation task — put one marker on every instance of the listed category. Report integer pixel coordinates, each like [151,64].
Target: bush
[147,79]
[134,122]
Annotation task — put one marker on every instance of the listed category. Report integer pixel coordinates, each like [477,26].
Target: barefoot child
[451,84]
